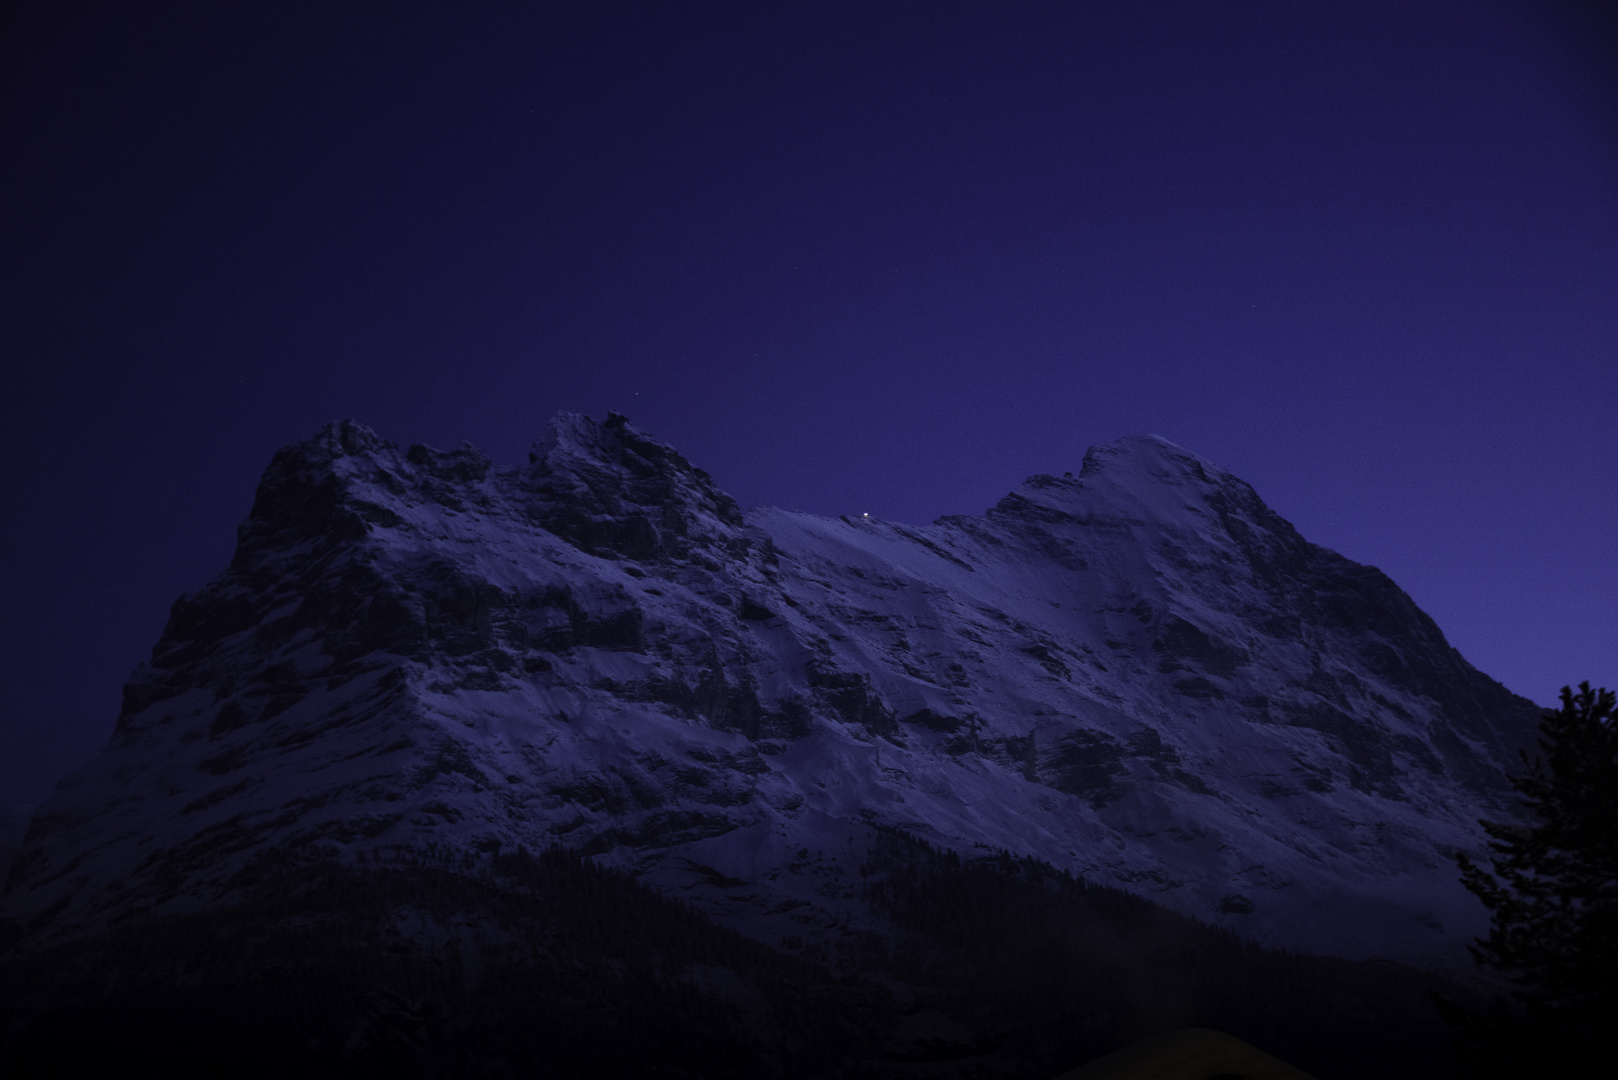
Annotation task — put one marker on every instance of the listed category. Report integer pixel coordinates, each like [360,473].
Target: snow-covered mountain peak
[571,436]
[1149,477]
[1159,492]
[1140,673]
[1147,455]
[610,488]
[340,449]
[341,438]
[308,487]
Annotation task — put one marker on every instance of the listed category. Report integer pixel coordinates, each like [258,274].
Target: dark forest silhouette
[468,965]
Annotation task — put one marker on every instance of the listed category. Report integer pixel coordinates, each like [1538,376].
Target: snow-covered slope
[1139,673]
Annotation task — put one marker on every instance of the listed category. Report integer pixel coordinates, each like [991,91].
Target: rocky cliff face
[1139,673]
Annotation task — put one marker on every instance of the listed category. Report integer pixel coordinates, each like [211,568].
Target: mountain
[1139,675]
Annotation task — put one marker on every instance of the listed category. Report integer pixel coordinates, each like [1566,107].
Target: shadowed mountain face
[1139,674]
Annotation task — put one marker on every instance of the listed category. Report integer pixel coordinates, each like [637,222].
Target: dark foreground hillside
[520,966]
[1056,971]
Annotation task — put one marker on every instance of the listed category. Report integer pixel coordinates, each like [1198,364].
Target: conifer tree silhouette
[1552,896]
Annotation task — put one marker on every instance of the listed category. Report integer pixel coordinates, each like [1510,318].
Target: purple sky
[875,256]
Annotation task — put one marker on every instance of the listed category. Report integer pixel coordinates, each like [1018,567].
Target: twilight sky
[878,256]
